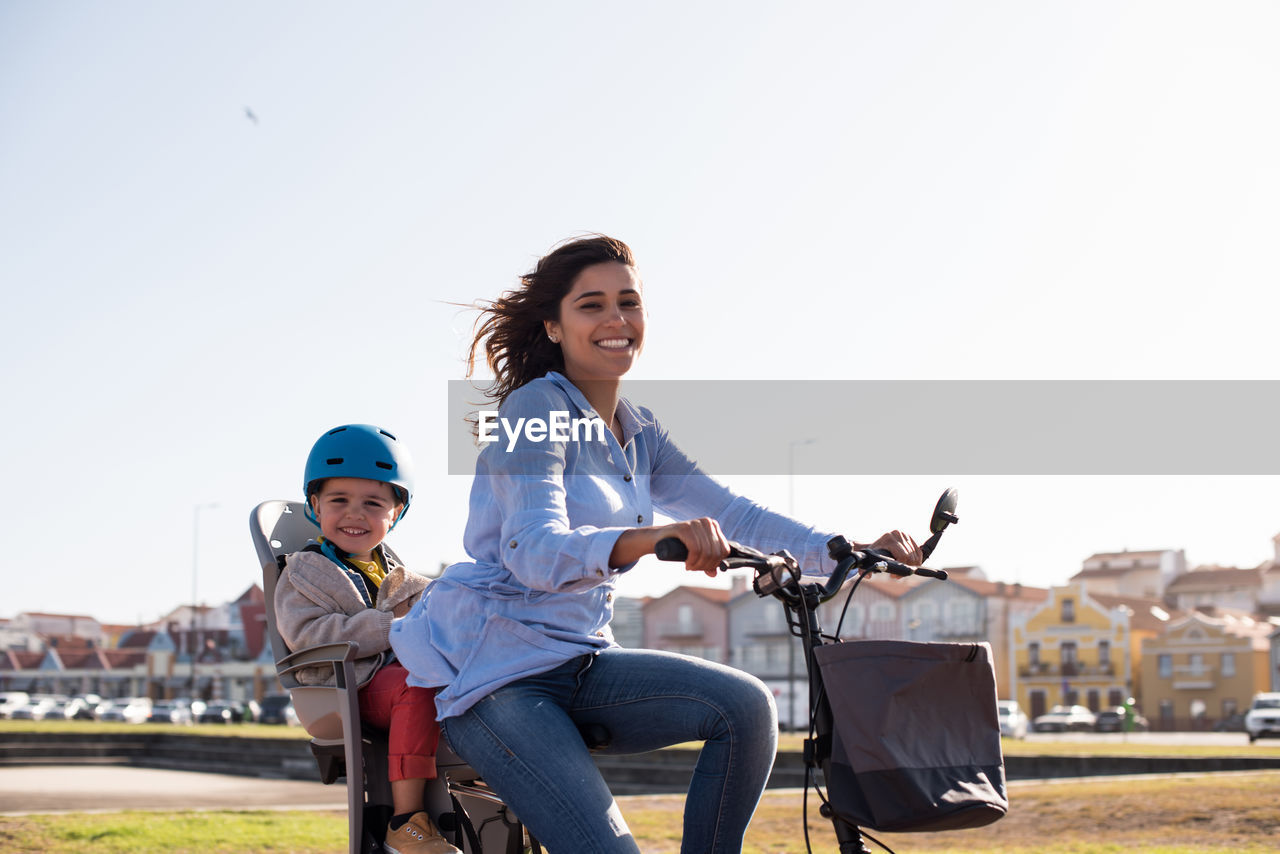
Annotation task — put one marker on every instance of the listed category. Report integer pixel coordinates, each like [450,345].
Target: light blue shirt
[544,517]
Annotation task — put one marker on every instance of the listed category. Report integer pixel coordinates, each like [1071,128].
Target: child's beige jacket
[317,602]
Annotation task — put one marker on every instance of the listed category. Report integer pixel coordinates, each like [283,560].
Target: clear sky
[226,227]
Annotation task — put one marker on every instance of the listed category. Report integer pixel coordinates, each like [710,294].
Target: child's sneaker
[417,836]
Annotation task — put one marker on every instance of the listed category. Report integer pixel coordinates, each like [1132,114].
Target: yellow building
[1081,648]
[1204,668]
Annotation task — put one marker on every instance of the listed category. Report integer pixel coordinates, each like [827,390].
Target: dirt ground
[1218,812]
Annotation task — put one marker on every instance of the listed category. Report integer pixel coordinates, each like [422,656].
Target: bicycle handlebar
[779,574]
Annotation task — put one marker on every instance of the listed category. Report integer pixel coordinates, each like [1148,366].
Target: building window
[778,655]
[1068,610]
[1093,698]
[1165,663]
[853,620]
[1039,703]
[1229,707]
[775,619]
[1166,714]
[1104,653]
[962,616]
[1197,664]
[1228,664]
[1033,653]
[1115,697]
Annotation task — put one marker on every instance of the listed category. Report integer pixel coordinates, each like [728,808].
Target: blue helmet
[360,450]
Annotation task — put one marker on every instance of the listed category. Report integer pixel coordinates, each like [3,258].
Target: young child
[346,587]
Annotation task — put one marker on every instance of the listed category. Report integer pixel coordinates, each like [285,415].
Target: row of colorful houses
[209,652]
[1191,647]
[1186,669]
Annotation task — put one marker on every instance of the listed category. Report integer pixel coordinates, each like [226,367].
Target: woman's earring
[554,339]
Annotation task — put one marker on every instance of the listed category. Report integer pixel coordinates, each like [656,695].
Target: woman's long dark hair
[511,328]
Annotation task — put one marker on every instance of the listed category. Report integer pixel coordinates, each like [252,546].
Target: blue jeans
[524,741]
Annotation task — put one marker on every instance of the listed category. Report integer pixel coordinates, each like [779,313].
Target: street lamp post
[791,511]
[791,472]
[193,645]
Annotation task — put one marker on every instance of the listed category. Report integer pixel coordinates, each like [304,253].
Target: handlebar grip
[940,574]
[670,548]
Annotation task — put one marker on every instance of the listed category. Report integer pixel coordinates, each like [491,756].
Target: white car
[1263,717]
[130,710]
[1065,719]
[35,709]
[1013,723]
[10,700]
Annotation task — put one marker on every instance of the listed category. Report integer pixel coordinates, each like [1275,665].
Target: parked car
[1065,719]
[272,709]
[36,708]
[130,710]
[1233,722]
[1263,718]
[218,712]
[10,700]
[65,710]
[88,705]
[1013,723]
[1112,720]
[170,713]
[196,707]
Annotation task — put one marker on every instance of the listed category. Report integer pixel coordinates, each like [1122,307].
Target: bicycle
[975,797]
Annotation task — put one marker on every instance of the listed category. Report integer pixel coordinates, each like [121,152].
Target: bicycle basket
[916,741]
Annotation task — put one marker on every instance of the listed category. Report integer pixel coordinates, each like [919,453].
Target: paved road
[81,788]
[52,788]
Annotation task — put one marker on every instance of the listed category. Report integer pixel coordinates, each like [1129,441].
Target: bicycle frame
[779,576]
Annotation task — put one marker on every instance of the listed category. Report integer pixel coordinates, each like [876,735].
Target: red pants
[408,714]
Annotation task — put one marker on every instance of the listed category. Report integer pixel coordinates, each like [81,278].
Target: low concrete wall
[669,770]
[652,773]
[284,758]
[1054,767]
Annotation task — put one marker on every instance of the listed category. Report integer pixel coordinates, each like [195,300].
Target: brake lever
[902,570]
[886,563]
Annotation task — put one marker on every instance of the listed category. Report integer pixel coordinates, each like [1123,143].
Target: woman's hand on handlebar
[703,538]
[705,541]
[901,547]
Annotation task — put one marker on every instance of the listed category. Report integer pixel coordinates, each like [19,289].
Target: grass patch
[1179,815]
[137,832]
[1218,813]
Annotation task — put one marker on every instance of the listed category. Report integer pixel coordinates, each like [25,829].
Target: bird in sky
[249,114]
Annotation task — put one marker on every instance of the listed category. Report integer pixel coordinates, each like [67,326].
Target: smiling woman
[601,325]
[517,638]
[515,329]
